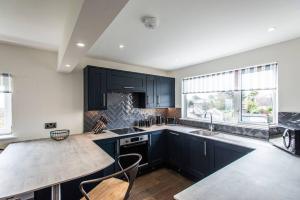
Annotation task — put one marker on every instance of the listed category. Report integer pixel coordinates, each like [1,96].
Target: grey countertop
[32,165]
[265,173]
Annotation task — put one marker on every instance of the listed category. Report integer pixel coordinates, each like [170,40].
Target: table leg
[55,192]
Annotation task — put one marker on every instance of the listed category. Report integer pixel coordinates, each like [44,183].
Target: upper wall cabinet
[165,92]
[95,88]
[150,91]
[126,81]
[160,92]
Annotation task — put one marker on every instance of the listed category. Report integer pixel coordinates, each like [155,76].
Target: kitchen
[224,120]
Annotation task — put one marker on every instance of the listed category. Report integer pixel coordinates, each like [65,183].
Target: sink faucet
[211,125]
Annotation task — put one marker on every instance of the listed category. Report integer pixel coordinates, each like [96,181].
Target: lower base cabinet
[110,146]
[224,154]
[197,157]
[157,153]
[174,150]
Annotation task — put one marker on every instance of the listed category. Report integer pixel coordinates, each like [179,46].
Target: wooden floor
[161,184]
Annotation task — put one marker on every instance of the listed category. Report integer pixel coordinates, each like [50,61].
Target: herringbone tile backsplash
[120,112]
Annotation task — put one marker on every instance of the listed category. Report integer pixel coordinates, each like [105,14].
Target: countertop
[265,173]
[32,165]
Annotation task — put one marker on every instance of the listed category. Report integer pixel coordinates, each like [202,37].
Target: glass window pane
[257,106]
[222,105]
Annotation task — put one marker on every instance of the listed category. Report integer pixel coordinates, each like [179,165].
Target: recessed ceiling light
[67,65]
[271,29]
[80,44]
[121,46]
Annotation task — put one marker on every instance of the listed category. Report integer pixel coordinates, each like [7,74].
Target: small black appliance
[286,138]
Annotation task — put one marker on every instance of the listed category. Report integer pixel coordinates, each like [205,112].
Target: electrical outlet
[50,125]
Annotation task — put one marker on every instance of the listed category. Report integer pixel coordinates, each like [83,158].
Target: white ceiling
[190,31]
[35,23]
[195,31]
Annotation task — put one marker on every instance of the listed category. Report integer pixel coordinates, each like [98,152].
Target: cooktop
[124,131]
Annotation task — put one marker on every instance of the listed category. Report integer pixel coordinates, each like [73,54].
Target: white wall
[287,54]
[41,94]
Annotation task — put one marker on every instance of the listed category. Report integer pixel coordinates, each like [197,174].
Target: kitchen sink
[204,132]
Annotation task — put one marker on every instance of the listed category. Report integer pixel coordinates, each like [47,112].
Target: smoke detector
[150,22]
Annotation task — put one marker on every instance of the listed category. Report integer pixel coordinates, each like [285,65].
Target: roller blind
[251,78]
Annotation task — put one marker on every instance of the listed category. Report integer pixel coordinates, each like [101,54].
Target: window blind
[251,78]
[5,83]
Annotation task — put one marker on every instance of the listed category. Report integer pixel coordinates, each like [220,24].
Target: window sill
[245,125]
[7,137]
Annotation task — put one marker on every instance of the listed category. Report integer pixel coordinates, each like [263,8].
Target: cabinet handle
[147,100]
[150,139]
[128,87]
[205,148]
[173,133]
[104,99]
[158,100]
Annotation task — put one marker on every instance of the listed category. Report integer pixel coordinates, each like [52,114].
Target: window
[5,103]
[246,95]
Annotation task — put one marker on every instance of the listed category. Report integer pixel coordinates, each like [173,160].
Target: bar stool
[111,187]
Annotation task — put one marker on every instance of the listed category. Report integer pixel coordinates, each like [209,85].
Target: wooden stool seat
[109,189]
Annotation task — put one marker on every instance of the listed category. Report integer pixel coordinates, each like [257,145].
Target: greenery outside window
[247,95]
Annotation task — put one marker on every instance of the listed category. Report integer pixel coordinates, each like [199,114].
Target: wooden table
[33,165]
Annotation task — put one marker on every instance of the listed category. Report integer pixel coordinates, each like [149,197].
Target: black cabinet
[160,92]
[150,91]
[165,92]
[197,156]
[174,149]
[224,154]
[157,148]
[95,88]
[121,81]
[110,146]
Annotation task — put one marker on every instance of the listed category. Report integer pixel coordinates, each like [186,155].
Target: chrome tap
[211,125]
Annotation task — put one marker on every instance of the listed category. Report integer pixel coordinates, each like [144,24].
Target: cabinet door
[197,156]
[225,154]
[165,89]
[157,148]
[120,81]
[94,88]
[110,146]
[150,92]
[174,149]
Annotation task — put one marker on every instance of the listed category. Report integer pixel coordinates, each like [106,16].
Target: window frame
[238,83]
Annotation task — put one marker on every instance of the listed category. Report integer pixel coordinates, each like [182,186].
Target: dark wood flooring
[161,184]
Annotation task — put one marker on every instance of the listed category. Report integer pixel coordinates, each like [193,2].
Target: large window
[5,103]
[246,95]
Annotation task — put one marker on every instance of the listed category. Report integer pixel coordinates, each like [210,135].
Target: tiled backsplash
[238,130]
[291,119]
[120,112]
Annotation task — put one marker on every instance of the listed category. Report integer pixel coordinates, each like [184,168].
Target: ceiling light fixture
[67,65]
[150,22]
[271,29]
[121,46]
[80,44]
